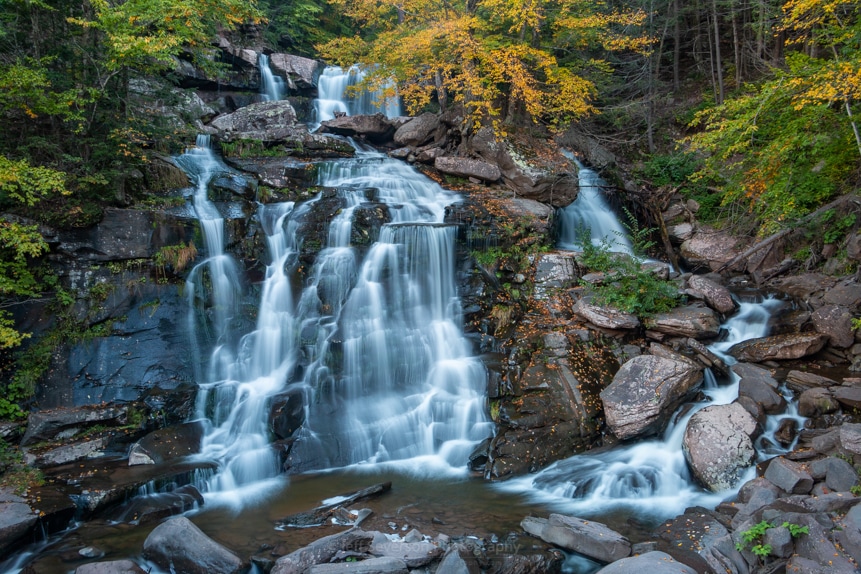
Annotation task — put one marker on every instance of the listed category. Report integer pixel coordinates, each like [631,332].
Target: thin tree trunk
[712,74]
[736,46]
[677,48]
[718,66]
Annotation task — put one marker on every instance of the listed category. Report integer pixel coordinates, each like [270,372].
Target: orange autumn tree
[497,58]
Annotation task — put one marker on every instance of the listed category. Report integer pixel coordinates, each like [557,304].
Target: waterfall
[591,212]
[392,377]
[218,271]
[336,94]
[271,86]
[372,345]
[649,478]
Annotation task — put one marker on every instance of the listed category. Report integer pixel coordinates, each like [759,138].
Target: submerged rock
[112,567]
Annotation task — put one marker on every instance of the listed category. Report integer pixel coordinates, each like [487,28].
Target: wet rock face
[179,544]
[718,445]
[589,538]
[287,413]
[375,128]
[645,391]
[710,250]
[778,347]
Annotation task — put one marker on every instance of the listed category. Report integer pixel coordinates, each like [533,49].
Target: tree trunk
[677,46]
[717,56]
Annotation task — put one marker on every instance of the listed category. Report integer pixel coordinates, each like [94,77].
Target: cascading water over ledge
[372,346]
[590,213]
[337,96]
[651,478]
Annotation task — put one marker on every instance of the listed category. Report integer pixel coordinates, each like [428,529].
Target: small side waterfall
[591,212]
[271,86]
[650,478]
[335,95]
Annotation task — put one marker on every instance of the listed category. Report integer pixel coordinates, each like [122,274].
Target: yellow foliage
[497,57]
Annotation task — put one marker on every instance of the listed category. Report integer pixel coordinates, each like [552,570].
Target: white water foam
[649,478]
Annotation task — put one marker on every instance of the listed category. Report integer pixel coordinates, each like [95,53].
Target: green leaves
[627,285]
[148,34]
[25,184]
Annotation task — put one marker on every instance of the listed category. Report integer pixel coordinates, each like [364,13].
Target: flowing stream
[648,478]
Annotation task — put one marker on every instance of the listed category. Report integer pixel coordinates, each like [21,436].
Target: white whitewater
[406,385]
[336,94]
[649,478]
[373,340]
[271,86]
[591,212]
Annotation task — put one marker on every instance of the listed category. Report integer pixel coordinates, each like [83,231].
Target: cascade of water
[215,282]
[591,212]
[373,347]
[271,86]
[651,477]
[335,95]
[404,384]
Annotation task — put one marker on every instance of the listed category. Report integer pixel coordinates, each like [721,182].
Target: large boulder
[417,131]
[710,249]
[264,121]
[690,321]
[586,537]
[604,316]
[273,123]
[300,73]
[375,128]
[645,391]
[466,167]
[178,545]
[835,322]
[714,294]
[654,562]
[718,445]
[790,346]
